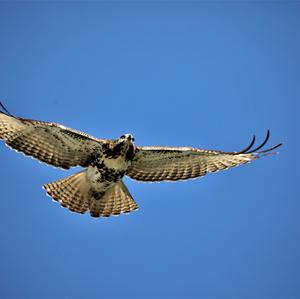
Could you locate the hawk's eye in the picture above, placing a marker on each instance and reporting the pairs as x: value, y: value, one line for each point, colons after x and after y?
x: 132, y: 139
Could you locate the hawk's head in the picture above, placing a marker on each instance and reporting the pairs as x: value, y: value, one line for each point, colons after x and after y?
x: 127, y: 138
x: 126, y: 144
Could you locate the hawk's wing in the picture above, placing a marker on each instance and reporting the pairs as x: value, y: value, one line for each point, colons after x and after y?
x: 181, y: 163
x: 48, y: 142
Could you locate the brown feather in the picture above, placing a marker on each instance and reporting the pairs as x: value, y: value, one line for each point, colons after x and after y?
x: 51, y: 143
x: 175, y: 163
x: 73, y: 192
x: 115, y: 201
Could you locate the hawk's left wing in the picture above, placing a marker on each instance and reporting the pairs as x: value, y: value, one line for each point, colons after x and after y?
x: 48, y: 142
x: 181, y: 163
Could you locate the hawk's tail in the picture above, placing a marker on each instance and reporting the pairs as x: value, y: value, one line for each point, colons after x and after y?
x: 115, y: 201
x: 75, y: 193
x: 71, y: 192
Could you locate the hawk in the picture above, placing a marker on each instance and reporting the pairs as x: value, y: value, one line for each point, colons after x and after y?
x: 99, y: 188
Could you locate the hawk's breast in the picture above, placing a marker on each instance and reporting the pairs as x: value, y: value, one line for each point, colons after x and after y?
x: 118, y: 163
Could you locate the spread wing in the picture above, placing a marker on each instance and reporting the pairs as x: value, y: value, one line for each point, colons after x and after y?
x: 181, y: 163
x: 48, y: 142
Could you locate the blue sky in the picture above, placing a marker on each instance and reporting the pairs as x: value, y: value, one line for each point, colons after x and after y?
x: 202, y: 74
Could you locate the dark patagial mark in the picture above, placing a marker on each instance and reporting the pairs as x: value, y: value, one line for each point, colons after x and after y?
x: 74, y: 135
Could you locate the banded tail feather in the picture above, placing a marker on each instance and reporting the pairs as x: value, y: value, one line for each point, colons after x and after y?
x: 71, y: 192
x: 115, y: 201
x: 74, y: 192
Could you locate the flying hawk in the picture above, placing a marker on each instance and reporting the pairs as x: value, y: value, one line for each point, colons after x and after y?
x: 99, y: 187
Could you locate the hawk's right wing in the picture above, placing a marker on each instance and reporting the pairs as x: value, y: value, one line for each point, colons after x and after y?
x: 48, y: 142
x: 182, y: 163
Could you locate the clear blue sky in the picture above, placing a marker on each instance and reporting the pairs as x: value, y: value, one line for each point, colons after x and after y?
x: 202, y: 74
